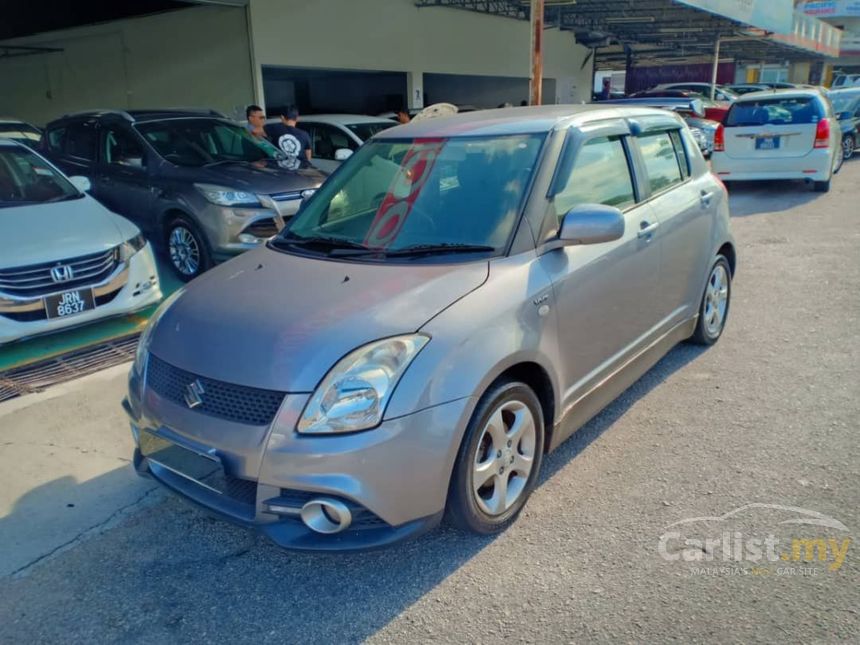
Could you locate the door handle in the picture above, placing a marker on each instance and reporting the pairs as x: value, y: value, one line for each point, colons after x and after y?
x: 706, y: 198
x: 646, y: 229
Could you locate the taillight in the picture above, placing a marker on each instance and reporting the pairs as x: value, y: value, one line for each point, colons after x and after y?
x: 822, y: 134
x: 720, y: 139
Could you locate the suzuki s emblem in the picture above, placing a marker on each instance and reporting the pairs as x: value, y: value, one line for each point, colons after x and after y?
x: 194, y: 394
x: 62, y: 273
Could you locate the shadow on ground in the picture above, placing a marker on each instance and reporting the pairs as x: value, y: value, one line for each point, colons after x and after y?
x: 172, y: 573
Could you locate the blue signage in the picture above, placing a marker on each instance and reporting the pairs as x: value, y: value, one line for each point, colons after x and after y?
x: 771, y: 15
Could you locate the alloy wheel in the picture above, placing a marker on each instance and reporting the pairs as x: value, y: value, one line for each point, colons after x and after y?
x: 504, y: 458
x: 716, y: 300
x: 184, y: 250
x: 847, y: 147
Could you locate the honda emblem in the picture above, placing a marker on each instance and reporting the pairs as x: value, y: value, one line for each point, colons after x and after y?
x: 62, y: 273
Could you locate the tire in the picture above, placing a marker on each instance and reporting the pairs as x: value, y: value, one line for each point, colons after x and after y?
x: 716, y: 300
x: 848, y: 147
x: 187, y: 249
x: 484, y: 510
x: 821, y: 186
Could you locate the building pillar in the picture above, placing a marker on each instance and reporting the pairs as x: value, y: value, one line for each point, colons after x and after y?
x: 799, y: 72
x: 415, y: 90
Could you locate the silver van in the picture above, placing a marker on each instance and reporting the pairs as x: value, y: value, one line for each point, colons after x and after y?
x: 452, y: 304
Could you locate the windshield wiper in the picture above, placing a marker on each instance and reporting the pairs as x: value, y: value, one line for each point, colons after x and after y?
x: 64, y: 198
x: 335, y: 245
x: 430, y: 249
x: 221, y: 162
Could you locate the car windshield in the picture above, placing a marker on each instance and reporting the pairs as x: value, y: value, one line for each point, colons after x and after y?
x: 781, y: 111
x: 202, y: 142
x: 26, y: 178
x: 430, y: 196
x: 366, y: 130
x: 20, y: 132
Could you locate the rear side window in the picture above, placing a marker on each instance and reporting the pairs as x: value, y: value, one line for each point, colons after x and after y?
x: 778, y: 111
x: 600, y: 175
x: 683, y: 160
x: 661, y: 160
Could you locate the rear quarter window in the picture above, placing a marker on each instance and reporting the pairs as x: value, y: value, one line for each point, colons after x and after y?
x: 776, y: 111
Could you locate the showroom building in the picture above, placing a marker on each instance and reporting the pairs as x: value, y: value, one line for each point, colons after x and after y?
x: 326, y: 55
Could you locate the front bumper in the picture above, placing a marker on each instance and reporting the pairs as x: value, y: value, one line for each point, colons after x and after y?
x: 394, y: 478
x: 131, y: 287
x: 233, y: 230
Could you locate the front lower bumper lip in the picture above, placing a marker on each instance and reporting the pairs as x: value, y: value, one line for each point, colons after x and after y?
x: 288, y: 533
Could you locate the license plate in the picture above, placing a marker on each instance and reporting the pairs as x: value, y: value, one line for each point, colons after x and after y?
x: 203, y: 469
x: 69, y: 303
x: 767, y: 143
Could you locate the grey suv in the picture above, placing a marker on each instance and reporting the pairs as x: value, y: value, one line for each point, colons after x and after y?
x: 192, y: 180
x: 455, y: 301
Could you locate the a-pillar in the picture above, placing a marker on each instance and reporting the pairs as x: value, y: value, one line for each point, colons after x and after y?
x: 415, y: 89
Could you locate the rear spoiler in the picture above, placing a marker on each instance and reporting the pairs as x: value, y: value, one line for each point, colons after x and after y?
x: 695, y: 106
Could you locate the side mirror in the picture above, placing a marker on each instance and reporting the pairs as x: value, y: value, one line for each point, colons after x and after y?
x: 342, y: 154
x: 591, y: 224
x: 81, y: 183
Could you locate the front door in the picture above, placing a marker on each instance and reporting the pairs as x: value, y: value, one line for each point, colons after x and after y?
x: 122, y: 182
x: 605, y: 293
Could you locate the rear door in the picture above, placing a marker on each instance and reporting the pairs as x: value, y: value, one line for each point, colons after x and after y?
x: 778, y: 127
x: 73, y: 147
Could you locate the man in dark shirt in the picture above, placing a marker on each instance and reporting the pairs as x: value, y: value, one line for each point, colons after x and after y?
x: 292, y: 141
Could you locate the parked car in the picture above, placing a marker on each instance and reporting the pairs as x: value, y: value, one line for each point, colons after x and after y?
x: 377, y: 366
x: 845, y: 80
x: 722, y: 93
x: 779, y: 134
x: 20, y: 131
x: 65, y: 260
x: 713, y: 110
x: 191, y: 179
x: 334, y: 137
x: 846, y: 107
x: 745, y: 88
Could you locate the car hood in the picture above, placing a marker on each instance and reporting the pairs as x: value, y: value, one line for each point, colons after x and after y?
x: 40, y: 233
x: 265, y: 180
x: 277, y: 321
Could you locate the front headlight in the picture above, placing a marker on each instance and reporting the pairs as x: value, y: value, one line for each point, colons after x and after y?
x: 146, y: 337
x: 355, y: 392
x: 128, y: 248
x: 227, y: 196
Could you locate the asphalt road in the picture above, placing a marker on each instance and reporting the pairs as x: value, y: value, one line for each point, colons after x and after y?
x: 765, y: 422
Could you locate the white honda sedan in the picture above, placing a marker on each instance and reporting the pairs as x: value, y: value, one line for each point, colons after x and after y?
x: 65, y: 260
x: 779, y: 134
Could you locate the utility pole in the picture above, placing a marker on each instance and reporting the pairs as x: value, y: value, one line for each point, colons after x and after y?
x: 715, y: 68
x: 536, y: 83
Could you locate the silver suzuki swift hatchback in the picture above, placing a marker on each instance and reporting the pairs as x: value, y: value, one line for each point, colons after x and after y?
x: 453, y: 303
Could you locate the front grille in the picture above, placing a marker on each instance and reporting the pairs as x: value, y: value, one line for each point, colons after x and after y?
x: 40, y: 314
x: 35, y: 279
x: 241, y: 490
x: 264, y: 228
x: 239, y: 403
x: 286, y: 197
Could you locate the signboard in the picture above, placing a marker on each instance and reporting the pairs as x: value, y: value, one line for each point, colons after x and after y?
x: 770, y: 15
x: 831, y: 8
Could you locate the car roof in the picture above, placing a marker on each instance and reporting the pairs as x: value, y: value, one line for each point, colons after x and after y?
x: 844, y: 91
x: 8, y: 143
x: 793, y: 93
x: 343, y: 119
x: 516, y: 120
x: 143, y: 115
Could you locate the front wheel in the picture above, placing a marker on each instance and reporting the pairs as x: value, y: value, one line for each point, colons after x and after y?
x: 187, y: 250
x: 499, y: 460
x: 714, y: 307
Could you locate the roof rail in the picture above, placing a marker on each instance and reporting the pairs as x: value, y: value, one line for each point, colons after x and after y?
x: 120, y: 113
x: 179, y: 110
x: 696, y: 106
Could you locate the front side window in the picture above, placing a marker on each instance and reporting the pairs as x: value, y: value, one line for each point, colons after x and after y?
x: 80, y: 141
x: 600, y: 175
x: 26, y: 178
x: 122, y: 150
x: 440, y: 193
x: 661, y: 160
x: 203, y: 142
x: 327, y: 139
x: 778, y: 111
